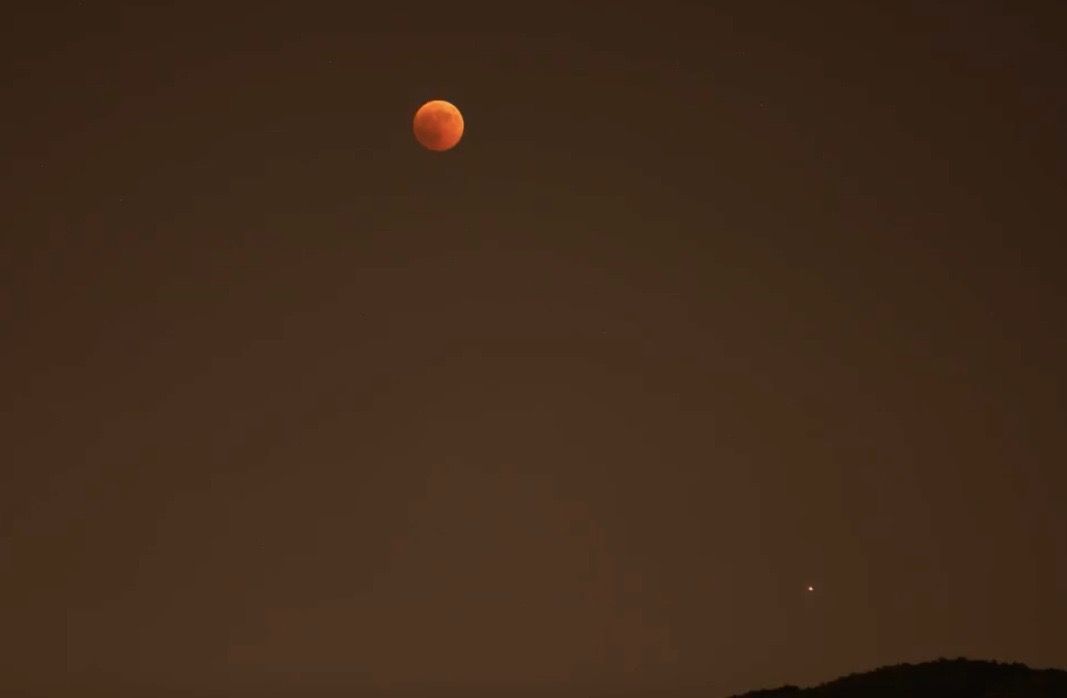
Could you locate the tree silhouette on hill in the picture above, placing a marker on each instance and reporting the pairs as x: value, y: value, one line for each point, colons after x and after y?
x: 944, y: 678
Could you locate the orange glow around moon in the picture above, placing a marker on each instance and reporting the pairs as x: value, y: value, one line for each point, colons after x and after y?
x: 438, y: 125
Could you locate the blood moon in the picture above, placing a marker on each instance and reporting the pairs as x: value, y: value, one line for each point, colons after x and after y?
x: 438, y: 125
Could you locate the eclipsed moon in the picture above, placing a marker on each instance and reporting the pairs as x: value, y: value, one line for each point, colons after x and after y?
x: 438, y: 125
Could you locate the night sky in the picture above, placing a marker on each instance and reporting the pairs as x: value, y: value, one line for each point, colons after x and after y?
x: 713, y: 302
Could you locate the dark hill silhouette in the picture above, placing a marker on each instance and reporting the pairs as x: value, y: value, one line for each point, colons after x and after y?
x: 958, y: 678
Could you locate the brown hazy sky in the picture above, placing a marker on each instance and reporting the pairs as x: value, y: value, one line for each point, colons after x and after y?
x: 714, y: 301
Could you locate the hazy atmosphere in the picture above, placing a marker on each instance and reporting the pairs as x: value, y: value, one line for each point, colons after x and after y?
x: 724, y: 350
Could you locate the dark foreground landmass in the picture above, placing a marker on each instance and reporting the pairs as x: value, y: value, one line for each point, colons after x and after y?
x: 957, y: 678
